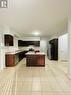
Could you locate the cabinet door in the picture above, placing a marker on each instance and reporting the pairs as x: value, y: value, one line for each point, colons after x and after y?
x: 8, y: 40
x: 41, y: 60
x: 30, y: 60
x: 9, y: 60
x: 36, y: 43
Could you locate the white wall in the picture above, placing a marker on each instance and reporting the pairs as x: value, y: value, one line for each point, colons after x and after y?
x: 2, y: 58
x: 43, y: 44
x: 63, y: 47
x: 16, y: 42
x: 69, y: 47
x: 2, y: 52
x: 30, y: 38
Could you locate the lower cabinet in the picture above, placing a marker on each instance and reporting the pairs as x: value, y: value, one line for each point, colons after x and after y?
x: 30, y: 60
x: 13, y: 59
x: 35, y: 60
x: 41, y: 60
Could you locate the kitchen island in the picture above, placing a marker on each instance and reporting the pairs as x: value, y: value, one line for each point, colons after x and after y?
x: 35, y: 59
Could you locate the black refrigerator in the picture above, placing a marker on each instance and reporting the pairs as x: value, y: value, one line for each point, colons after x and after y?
x: 53, y: 49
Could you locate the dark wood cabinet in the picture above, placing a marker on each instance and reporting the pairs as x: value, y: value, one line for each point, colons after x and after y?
x: 27, y: 43
x: 10, y: 59
x: 13, y: 59
x: 35, y: 60
x: 30, y: 60
x: 8, y: 40
x: 41, y: 60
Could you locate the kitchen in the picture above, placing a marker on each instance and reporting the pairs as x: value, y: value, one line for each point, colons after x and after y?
x: 16, y: 49
x: 35, y: 47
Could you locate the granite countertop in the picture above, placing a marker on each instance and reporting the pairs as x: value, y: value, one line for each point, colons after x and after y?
x: 29, y: 53
x: 14, y: 52
x: 33, y: 53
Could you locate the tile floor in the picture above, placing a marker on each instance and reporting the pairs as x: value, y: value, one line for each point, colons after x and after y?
x: 49, y: 80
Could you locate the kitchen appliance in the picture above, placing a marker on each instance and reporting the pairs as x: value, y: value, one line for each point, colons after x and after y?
x: 53, y: 49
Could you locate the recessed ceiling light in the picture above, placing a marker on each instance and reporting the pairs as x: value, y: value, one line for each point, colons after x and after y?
x: 36, y: 33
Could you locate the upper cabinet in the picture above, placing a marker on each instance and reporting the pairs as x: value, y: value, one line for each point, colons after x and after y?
x: 27, y: 43
x: 8, y: 40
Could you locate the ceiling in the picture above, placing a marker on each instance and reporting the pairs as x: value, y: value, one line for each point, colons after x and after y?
x: 46, y: 16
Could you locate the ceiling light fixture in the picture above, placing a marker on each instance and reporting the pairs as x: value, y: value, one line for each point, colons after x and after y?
x: 36, y: 33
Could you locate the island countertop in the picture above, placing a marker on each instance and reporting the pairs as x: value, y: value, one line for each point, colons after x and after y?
x: 37, y: 53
